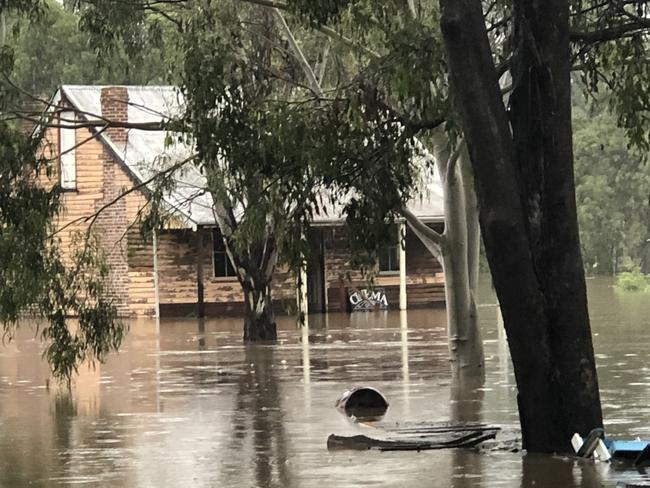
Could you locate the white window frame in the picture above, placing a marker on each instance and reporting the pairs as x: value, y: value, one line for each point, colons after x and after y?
x: 67, y: 152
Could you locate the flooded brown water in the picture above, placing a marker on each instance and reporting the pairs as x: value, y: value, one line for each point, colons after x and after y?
x: 186, y: 405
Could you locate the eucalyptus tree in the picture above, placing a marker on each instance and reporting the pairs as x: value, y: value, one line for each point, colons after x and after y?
x: 274, y: 148
x: 36, y: 281
x: 521, y: 154
x: 457, y: 248
x: 523, y: 166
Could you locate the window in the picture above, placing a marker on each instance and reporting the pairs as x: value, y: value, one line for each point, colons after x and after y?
x: 67, y: 156
x: 388, y: 260
x: 223, y: 268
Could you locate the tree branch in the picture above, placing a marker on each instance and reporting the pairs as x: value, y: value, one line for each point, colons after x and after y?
x: 450, y: 164
x: 324, y: 60
x: 90, y: 124
x: 300, y: 56
x: 269, y: 3
x: 411, y: 9
x: 328, y: 31
x: 417, y: 225
x: 610, y: 33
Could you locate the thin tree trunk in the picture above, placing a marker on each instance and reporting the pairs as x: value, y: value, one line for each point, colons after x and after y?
x: 465, y: 344
x: 472, y: 222
x: 255, y: 273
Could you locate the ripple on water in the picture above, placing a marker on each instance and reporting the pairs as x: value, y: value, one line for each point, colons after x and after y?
x: 196, y: 408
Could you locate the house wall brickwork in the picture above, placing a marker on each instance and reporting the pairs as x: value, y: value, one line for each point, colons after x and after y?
x: 100, y: 179
x: 177, y: 264
x: 111, y: 226
x: 115, y: 108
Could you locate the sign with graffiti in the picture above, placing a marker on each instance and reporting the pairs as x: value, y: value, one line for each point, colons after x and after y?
x: 365, y: 299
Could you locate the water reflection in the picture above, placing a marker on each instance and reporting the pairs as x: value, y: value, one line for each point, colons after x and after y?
x: 258, y: 418
x: 185, y: 404
x: 544, y: 472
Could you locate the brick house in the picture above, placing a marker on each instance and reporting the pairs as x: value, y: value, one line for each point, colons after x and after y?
x: 186, y: 264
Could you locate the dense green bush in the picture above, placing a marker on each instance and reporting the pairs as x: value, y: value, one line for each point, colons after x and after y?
x: 633, y: 281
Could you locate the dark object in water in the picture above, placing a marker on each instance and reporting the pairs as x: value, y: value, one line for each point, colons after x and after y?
x: 417, y: 438
x: 363, y: 403
x: 591, y: 442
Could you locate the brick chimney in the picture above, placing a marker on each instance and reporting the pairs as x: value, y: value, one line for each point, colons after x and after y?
x: 30, y: 109
x: 115, y: 108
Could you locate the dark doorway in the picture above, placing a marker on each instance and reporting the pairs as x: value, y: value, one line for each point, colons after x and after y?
x: 316, y: 272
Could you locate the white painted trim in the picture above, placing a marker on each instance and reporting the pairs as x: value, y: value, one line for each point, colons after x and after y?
x: 67, y: 154
x: 401, y: 240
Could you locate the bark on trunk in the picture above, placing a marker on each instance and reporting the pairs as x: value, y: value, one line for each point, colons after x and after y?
x: 472, y: 222
x: 539, y: 287
x: 259, y: 319
x: 541, y: 125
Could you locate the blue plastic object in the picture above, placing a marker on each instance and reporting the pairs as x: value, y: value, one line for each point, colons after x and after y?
x: 625, y: 449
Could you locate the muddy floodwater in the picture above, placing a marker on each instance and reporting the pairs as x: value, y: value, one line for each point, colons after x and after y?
x: 185, y: 404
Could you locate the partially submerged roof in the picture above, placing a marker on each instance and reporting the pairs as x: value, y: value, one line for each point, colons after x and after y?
x: 147, y: 152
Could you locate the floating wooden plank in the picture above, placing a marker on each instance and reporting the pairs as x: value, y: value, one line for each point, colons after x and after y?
x: 416, y: 438
x: 439, y: 428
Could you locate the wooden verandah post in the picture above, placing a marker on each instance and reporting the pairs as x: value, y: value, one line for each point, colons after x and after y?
x: 200, y: 299
x: 401, y: 243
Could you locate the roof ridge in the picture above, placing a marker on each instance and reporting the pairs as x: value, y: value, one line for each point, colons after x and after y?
x: 131, y: 87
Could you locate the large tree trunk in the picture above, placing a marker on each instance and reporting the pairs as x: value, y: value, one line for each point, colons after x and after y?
x: 539, y: 287
x: 259, y: 319
x: 542, y: 133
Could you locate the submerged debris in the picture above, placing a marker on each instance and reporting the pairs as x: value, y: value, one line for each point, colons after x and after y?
x: 363, y: 403
x: 417, y: 437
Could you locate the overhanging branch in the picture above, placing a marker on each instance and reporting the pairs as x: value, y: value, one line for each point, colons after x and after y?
x: 419, y: 226
x: 611, y: 33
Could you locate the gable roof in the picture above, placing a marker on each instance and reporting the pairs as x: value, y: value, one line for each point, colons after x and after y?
x: 147, y: 152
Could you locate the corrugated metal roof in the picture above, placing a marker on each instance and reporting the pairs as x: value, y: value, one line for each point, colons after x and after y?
x: 147, y: 152
x: 427, y: 206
